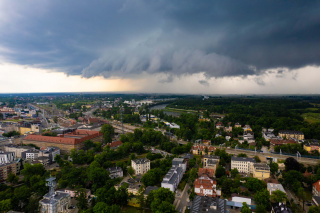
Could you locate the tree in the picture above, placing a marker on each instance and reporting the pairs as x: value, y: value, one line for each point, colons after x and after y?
x: 12, y: 178
x: 278, y: 196
x: 314, y: 209
x: 82, y: 199
x: 292, y: 164
x: 257, y: 159
x: 302, y: 195
x: 22, y: 194
x: 261, y: 209
x: 5, y: 205
x: 130, y: 170
x: 102, y: 207
x: 254, y: 184
x: 242, y: 155
x: 220, y: 172
x: 245, y: 208
x: 234, y: 172
x: 141, y: 199
x: 206, y: 150
x: 55, y: 119
x: 108, y: 131
x: 161, y: 200
x: 262, y: 198
x: 152, y: 177
x: 274, y: 167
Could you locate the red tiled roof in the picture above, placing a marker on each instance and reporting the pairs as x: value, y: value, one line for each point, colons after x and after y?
x: 317, y: 185
x: 205, y: 182
x: 115, y: 144
x: 84, y: 135
x: 205, y: 171
x: 276, y: 142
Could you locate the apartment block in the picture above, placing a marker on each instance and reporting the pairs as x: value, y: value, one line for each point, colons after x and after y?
x: 244, y: 165
x: 140, y: 166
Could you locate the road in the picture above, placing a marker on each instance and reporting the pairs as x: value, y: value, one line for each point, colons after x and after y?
x: 181, y: 201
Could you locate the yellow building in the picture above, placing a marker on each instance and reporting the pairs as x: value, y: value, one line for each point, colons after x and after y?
x: 291, y: 134
x: 23, y: 130
x: 261, y: 171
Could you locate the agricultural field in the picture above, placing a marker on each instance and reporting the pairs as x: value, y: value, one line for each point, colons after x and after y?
x: 311, y: 117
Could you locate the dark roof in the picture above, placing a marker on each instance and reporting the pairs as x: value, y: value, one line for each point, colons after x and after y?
x: 204, y: 204
x: 149, y: 189
x: 189, y: 156
x: 242, y: 159
x: 141, y: 160
x: 211, y: 156
x: 290, y: 132
x: 114, y: 169
x: 281, y: 208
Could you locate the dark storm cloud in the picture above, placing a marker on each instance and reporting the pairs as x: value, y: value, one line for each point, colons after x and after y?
x: 127, y: 38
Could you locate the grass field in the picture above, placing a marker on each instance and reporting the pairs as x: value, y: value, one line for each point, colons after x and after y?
x: 311, y: 117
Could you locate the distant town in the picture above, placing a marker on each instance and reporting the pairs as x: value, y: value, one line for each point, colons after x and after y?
x: 114, y: 153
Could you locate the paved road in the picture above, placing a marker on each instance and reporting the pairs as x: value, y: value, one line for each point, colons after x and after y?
x: 181, y: 201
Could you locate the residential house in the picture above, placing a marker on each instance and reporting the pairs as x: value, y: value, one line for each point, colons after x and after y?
x: 73, y: 192
x: 261, y: 171
x: 312, y: 146
x: 115, y: 172
x: 316, y: 188
x: 205, y: 171
x: 212, y: 164
x: 205, y: 186
x: 219, y: 125
x: 140, y: 165
x: 243, y: 164
x: 228, y: 129
x: 201, y: 149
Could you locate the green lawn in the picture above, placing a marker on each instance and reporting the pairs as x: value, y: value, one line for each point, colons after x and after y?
x: 311, y: 117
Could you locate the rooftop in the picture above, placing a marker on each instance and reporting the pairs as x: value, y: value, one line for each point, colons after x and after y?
x: 261, y: 166
x: 141, y: 160
x: 243, y: 159
x: 208, y: 204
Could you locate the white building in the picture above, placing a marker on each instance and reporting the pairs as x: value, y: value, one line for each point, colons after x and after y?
x: 54, y: 202
x: 140, y: 165
x: 30, y: 154
x: 244, y: 165
x: 6, y: 157
x: 172, y: 178
x: 16, y: 149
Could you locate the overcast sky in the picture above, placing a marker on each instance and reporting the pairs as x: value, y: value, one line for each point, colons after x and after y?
x: 181, y: 46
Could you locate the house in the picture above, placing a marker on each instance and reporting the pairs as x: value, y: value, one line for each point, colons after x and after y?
x: 287, y: 134
x: 236, y: 125
x: 280, y: 208
x: 212, y: 164
x: 115, y: 172
x: 244, y: 165
x: 140, y: 165
x: 268, y: 134
x: 205, y: 159
x: 180, y: 162
x: 205, y: 186
x: 247, y: 128
x: 316, y: 188
x: 208, y: 204
x: 201, y: 149
x: 219, y: 125
x: 274, y: 186
x: 204, y: 171
x: 115, y: 144
x: 149, y: 189
x: 54, y: 201
x: 7, y: 168
x: 73, y: 192
x: 312, y: 146
x: 228, y: 129
x: 261, y: 171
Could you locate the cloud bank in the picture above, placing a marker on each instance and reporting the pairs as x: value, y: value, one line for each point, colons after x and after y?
x: 119, y: 38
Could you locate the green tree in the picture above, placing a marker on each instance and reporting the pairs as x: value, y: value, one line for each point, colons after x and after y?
x: 234, y: 172
x: 12, y: 178
x: 278, y: 196
x: 141, y: 199
x: 245, y: 208
x: 302, y: 195
x: 161, y: 200
x: 5, y: 205
x: 55, y: 119
x: 261, y: 209
x: 220, y: 172
x: 314, y: 209
x: 257, y: 159
x: 82, y: 199
x: 108, y: 131
x: 292, y: 164
x: 274, y: 167
x: 152, y: 177
x: 262, y: 198
x: 242, y: 155
x: 22, y: 194
x: 130, y: 170
x: 254, y: 184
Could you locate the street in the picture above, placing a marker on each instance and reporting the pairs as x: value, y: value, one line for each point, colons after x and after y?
x: 181, y: 201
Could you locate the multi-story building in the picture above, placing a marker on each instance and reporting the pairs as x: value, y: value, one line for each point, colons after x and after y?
x: 205, y: 186
x: 242, y: 164
x: 115, y: 172
x: 6, y: 157
x: 208, y: 204
x: 261, y: 171
x: 49, y: 152
x: 17, y: 149
x: 140, y: 165
x: 172, y: 179
x: 72, y: 140
x: 55, y: 201
x: 212, y: 164
x: 291, y: 134
x: 205, y: 159
x: 7, y: 168
x: 181, y: 162
x: 31, y: 154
